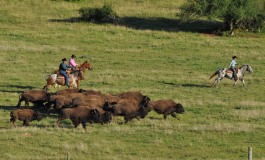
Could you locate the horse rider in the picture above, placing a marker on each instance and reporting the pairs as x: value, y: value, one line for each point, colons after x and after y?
x: 233, y: 67
x: 72, y: 62
x: 63, y: 70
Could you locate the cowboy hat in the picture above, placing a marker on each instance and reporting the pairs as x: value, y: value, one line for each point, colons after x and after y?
x: 73, y: 56
x: 64, y: 59
x: 234, y: 57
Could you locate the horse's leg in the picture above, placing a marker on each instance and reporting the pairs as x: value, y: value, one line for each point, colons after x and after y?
x: 243, y: 81
x: 235, y: 82
x: 78, y: 83
x: 217, y: 80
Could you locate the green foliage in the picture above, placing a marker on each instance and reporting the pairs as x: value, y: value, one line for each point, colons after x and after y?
x: 236, y: 14
x: 104, y: 14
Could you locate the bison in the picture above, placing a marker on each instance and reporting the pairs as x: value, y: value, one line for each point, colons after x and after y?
x: 69, y: 91
x: 25, y: 115
x: 92, y: 101
x: 105, y: 116
x: 131, y: 95
x: 166, y: 107
x: 37, y: 97
x: 129, y: 108
x: 81, y: 114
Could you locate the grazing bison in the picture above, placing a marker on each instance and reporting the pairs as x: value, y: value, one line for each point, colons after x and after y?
x: 37, y: 97
x: 81, y: 114
x: 166, y: 107
x: 25, y: 115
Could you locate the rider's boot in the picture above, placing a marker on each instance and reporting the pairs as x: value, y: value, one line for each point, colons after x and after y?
x: 235, y: 78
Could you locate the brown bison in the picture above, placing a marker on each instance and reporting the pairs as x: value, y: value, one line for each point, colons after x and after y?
x: 37, y: 97
x: 25, y: 115
x: 91, y: 100
x: 105, y: 116
x: 131, y: 95
x: 69, y: 91
x: 74, y: 99
x: 129, y: 109
x: 81, y: 114
x: 166, y: 107
x: 58, y: 101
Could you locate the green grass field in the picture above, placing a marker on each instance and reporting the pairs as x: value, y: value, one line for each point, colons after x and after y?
x: 148, y: 51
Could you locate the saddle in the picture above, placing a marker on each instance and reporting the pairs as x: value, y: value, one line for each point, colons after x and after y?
x: 59, y: 75
x: 230, y: 70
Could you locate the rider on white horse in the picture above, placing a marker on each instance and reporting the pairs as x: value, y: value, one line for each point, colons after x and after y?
x: 233, y: 67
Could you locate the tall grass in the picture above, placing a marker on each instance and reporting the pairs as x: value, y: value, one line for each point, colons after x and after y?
x: 148, y: 51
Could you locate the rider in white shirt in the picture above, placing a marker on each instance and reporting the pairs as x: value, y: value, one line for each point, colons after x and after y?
x: 233, y: 67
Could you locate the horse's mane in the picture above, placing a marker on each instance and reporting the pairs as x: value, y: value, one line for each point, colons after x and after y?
x: 83, y: 63
x: 243, y: 66
x: 84, y: 66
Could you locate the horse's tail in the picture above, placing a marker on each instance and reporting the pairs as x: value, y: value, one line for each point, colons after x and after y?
x: 215, y: 73
x: 46, y: 76
x: 52, y: 76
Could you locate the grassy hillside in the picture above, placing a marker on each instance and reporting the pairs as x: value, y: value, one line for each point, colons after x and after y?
x: 149, y: 51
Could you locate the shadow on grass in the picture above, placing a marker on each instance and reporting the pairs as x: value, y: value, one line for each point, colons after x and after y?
x: 186, y: 85
x: 158, y: 23
x: 15, y: 87
x: 18, y: 86
x: 170, y: 25
x: 8, y: 108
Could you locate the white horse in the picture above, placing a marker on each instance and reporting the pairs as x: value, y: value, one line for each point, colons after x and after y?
x: 227, y: 73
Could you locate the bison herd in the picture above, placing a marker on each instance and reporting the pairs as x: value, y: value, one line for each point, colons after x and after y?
x: 89, y: 106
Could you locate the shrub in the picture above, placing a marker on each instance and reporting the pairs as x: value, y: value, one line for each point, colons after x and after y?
x: 236, y: 14
x: 105, y: 14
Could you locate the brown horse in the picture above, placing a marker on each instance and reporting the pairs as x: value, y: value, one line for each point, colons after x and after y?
x: 83, y: 68
x: 74, y: 77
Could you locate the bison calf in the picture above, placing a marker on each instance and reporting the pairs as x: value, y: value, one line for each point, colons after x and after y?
x: 166, y: 107
x: 25, y: 115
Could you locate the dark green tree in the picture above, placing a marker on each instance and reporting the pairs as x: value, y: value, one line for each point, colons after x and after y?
x: 235, y: 14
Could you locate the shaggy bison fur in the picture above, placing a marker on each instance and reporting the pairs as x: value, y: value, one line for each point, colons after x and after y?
x: 37, y: 97
x: 25, y: 115
x: 166, y: 107
x: 81, y: 114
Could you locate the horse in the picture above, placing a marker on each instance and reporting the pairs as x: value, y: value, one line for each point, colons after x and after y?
x: 74, y: 78
x: 60, y: 80
x: 227, y: 73
x: 83, y: 68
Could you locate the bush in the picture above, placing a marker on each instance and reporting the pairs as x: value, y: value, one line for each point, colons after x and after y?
x: 105, y: 14
x: 236, y: 14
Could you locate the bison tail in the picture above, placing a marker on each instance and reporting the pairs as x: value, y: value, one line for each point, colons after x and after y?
x: 215, y: 73
x: 12, y: 114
